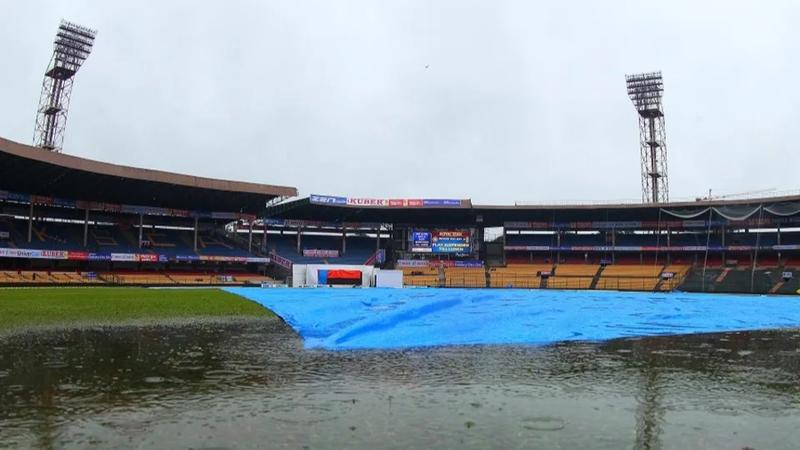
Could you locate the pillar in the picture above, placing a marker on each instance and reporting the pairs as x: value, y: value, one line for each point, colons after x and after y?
x: 196, y: 224
x: 86, y: 227
x: 344, y: 241
x: 30, y: 222
x: 504, y: 247
x: 669, y: 244
x: 141, y: 223
x: 264, y: 238
x: 558, y: 245
x: 613, y: 245
x: 299, y: 239
x: 250, y: 237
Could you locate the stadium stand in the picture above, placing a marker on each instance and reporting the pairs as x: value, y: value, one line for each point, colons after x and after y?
x: 358, y: 249
x: 100, y: 223
x: 422, y: 276
x: 139, y: 278
x: 473, y: 277
x: 95, y: 222
x: 515, y: 275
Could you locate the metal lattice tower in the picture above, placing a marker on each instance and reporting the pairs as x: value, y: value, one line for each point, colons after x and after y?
x: 645, y: 91
x: 71, y: 47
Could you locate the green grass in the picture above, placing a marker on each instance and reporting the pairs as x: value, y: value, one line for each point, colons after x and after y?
x: 41, y: 307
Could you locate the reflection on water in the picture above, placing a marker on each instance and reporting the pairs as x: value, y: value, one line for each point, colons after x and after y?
x: 251, y: 385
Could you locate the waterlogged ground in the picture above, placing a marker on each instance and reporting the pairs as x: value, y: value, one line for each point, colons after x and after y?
x: 250, y: 384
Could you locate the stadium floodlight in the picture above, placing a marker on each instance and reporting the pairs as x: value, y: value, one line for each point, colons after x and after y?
x: 71, y: 47
x: 645, y: 91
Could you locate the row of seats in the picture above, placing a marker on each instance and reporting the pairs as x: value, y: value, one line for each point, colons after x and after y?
x: 143, y: 278
x: 358, y: 249
x: 474, y: 277
x: 42, y: 277
x: 421, y: 276
x: 115, y: 239
x: 585, y: 276
x: 562, y: 276
x: 518, y: 275
x: 462, y: 277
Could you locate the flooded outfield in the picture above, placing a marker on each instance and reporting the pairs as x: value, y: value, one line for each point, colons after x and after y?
x: 250, y: 384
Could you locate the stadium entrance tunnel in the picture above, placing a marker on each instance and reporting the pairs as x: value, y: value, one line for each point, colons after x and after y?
x: 339, y: 319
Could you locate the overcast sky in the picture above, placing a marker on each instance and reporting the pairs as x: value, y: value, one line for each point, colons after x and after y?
x: 495, y: 101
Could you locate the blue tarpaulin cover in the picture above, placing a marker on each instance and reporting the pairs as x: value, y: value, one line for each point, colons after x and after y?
x: 397, y: 318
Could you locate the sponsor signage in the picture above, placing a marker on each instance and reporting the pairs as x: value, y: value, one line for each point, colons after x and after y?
x: 258, y: 260
x: 294, y: 223
x: 387, y: 203
x: 119, y: 257
x: 527, y: 248
x: 412, y: 263
x: 468, y: 263
x: 320, y: 253
x: 78, y: 256
x: 367, y: 201
x: 441, y: 202
x: 327, y: 200
x: 5, y: 235
x: 281, y: 261
x: 32, y: 253
x: 128, y: 257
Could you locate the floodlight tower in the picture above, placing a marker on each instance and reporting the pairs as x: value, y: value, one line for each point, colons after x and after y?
x: 645, y: 91
x: 71, y: 47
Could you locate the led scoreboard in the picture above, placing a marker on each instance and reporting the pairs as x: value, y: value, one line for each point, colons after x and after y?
x: 441, y: 241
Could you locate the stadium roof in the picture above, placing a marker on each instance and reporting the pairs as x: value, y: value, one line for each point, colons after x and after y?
x: 497, y: 215
x: 36, y: 171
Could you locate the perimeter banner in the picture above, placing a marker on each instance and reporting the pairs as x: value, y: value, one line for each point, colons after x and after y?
x: 389, y: 202
x: 28, y: 253
x: 32, y: 253
x: 320, y: 253
x: 281, y: 261
x: 417, y: 263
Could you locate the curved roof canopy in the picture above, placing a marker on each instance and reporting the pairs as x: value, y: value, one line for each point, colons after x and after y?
x: 36, y: 171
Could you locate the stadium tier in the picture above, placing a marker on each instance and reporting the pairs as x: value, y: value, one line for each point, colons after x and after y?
x: 323, y: 249
x: 446, y: 242
x: 63, y: 217
x: 118, y: 239
x: 67, y: 220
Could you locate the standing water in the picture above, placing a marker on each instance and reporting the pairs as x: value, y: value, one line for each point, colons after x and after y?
x: 250, y: 384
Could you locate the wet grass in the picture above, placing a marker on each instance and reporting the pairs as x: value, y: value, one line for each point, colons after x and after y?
x: 44, y: 307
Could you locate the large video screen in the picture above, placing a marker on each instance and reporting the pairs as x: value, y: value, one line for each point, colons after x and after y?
x: 441, y: 241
